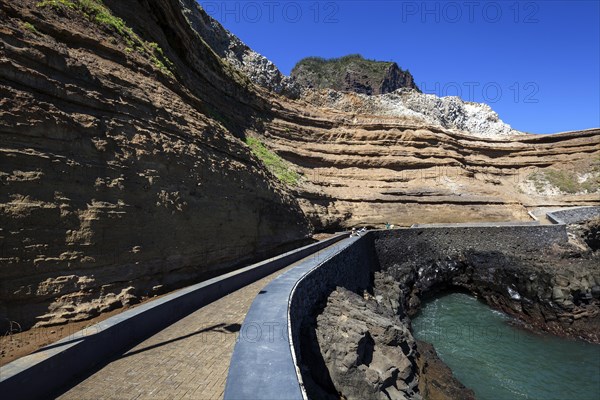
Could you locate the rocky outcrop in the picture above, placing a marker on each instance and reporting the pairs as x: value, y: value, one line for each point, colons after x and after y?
x: 359, y: 351
x: 556, y: 289
x: 436, y: 381
x: 359, y: 346
x: 229, y: 47
x: 122, y: 169
x: 352, y: 73
x: 450, y: 112
x: 591, y: 233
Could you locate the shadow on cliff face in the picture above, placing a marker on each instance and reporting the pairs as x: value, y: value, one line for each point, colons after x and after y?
x: 122, y: 182
x: 218, y: 89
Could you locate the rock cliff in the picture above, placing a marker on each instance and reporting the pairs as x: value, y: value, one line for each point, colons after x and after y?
x: 126, y: 170
x: 352, y: 73
x: 359, y: 169
x: 450, y: 112
x: 226, y: 45
x: 122, y: 162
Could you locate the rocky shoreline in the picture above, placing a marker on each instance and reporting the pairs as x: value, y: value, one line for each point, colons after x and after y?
x: 361, y: 345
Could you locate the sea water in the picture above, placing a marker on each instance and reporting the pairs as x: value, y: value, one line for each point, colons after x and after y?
x: 499, y: 360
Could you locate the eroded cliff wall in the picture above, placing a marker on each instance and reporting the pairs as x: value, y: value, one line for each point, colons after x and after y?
x: 360, y: 169
x: 122, y: 169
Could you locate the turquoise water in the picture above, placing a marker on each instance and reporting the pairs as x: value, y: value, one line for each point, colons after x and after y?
x: 500, y: 361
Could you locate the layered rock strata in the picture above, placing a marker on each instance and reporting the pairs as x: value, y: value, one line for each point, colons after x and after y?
x: 121, y: 176
x: 125, y: 173
x: 366, y: 170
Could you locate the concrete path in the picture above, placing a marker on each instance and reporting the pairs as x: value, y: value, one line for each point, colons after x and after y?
x: 540, y: 213
x: 187, y: 360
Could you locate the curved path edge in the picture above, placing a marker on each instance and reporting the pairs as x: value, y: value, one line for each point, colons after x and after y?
x: 265, y: 358
x: 51, y: 368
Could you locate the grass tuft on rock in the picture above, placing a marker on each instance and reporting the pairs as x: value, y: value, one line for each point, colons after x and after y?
x: 277, y: 165
x: 29, y: 27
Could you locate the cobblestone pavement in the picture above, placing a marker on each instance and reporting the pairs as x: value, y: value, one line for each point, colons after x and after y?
x: 187, y: 360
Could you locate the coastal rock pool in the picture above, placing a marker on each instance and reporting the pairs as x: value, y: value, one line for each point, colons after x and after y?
x: 501, y: 361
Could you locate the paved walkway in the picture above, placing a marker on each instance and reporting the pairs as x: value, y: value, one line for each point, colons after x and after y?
x: 187, y: 360
x: 541, y: 213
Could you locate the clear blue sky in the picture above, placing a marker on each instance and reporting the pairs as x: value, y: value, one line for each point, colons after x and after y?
x: 537, y: 63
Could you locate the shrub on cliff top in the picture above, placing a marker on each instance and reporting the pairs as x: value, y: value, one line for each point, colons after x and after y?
x: 324, y: 67
x: 321, y: 73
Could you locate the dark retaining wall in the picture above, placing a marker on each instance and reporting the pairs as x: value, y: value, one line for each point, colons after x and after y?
x: 264, y: 361
x: 400, y: 244
x: 351, y: 268
x: 573, y: 215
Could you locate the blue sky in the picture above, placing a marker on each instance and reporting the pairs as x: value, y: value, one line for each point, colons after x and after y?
x: 537, y: 63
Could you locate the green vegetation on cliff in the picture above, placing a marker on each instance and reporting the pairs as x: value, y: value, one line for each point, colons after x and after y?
x: 95, y: 11
x: 352, y: 73
x: 28, y: 26
x: 328, y: 70
x: 277, y: 165
x: 566, y: 181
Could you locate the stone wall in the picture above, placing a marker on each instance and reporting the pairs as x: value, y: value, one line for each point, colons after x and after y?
x: 574, y: 215
x: 350, y: 268
x: 393, y: 245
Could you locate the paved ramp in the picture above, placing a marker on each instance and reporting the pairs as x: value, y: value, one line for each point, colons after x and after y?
x: 187, y: 360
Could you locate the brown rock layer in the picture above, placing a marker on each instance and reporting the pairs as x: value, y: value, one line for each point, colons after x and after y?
x: 119, y: 178
x: 369, y: 171
x: 124, y: 171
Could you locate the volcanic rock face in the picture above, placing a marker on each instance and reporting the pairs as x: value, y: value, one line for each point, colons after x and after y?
x: 352, y: 74
x: 367, y: 353
x: 478, y: 119
x: 436, y: 381
x: 556, y: 289
x: 118, y: 181
x: 361, y: 346
x: 258, y: 68
x: 124, y: 171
